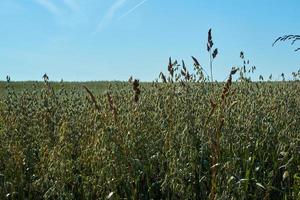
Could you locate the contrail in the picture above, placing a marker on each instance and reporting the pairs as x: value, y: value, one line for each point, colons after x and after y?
x: 47, y: 4
x: 109, y: 15
x: 72, y: 4
x: 132, y: 9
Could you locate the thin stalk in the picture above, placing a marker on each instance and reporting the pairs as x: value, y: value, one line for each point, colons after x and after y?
x: 210, y: 64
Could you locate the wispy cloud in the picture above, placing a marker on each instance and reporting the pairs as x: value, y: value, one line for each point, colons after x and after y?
x: 72, y: 4
x: 132, y: 9
x: 49, y: 5
x: 109, y: 15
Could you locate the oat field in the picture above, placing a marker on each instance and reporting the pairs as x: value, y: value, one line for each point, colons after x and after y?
x: 181, y: 137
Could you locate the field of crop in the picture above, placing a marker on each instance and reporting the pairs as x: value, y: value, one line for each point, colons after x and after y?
x: 182, y: 138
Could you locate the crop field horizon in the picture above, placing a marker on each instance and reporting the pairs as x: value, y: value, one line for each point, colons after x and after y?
x: 182, y: 136
x: 96, y: 104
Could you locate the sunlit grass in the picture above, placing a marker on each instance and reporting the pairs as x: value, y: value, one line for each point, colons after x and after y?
x: 182, y: 138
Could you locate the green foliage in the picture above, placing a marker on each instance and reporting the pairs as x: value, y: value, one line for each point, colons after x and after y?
x: 55, y: 144
x: 186, y: 137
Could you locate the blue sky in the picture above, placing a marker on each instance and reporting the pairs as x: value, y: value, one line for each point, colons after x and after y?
x: 114, y: 39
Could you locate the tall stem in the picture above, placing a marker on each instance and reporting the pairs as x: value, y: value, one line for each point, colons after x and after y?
x: 210, y: 62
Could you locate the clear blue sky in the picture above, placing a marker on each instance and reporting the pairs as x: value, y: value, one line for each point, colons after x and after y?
x: 114, y: 39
